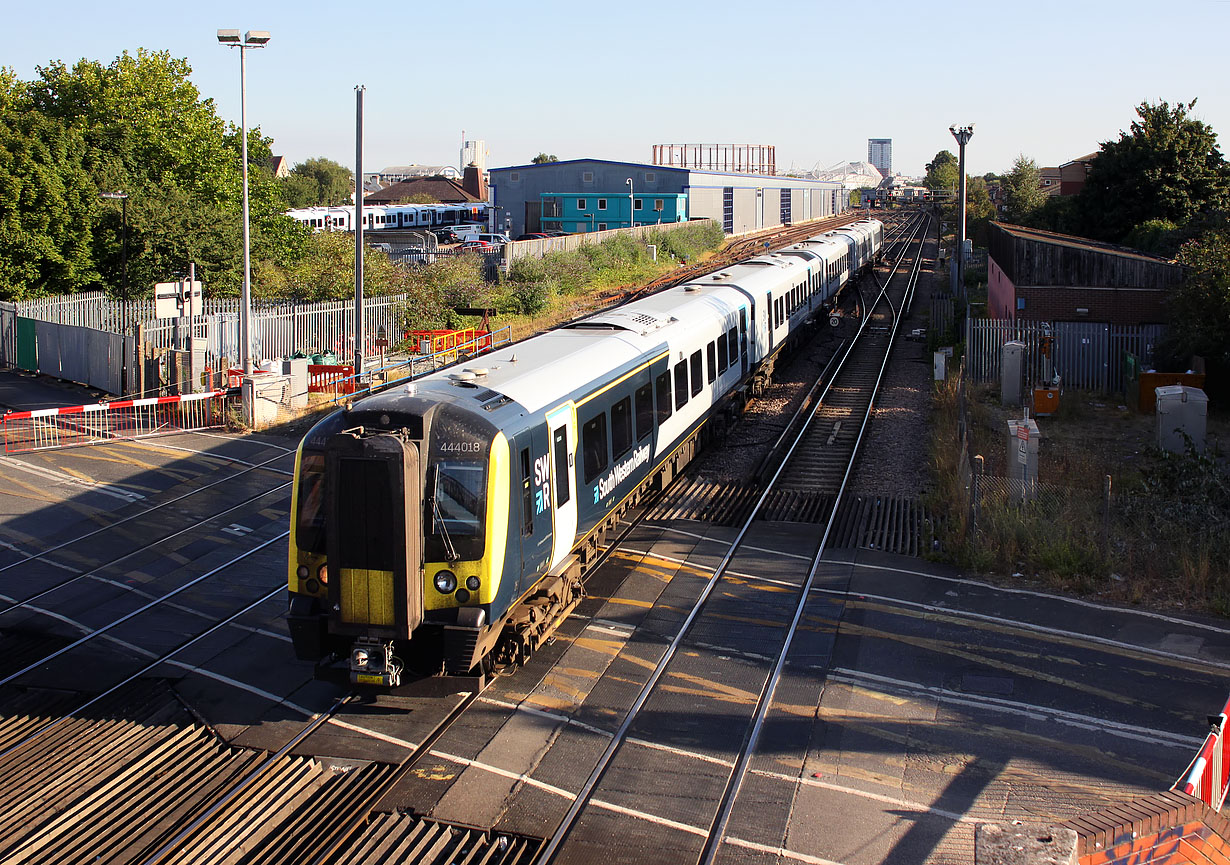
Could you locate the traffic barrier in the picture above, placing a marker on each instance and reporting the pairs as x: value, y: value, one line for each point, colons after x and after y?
x: 49, y: 428
x: 330, y: 378
x: 1205, y: 777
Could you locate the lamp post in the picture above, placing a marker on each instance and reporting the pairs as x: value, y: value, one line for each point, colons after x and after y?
x: 631, y: 205
x: 963, y: 134
x: 251, y: 39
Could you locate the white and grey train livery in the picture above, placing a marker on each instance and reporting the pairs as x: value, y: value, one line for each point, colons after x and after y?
x: 450, y: 519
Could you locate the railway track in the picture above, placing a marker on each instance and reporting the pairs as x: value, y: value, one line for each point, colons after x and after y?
x: 729, y: 720
x: 213, y: 797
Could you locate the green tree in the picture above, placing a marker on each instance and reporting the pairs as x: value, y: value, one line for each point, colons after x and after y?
x: 979, y: 210
x: 1167, y: 167
x: 48, y: 206
x: 942, y: 171
x: 318, y: 182
x: 1200, y: 309
x: 1023, y: 194
x: 543, y: 158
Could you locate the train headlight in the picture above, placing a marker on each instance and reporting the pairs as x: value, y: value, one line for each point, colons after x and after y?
x: 323, y: 574
x: 301, y: 572
x: 446, y: 582
x: 462, y: 596
x: 472, y: 583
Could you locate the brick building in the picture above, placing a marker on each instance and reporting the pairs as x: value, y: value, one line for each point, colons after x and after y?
x: 1035, y: 275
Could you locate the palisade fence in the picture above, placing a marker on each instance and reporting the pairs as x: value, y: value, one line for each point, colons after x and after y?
x: 1087, y: 355
x: 34, y: 334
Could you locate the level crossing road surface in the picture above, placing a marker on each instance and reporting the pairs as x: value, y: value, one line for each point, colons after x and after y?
x: 27, y: 391
x: 936, y: 701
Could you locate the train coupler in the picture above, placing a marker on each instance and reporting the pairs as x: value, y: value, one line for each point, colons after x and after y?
x: 372, y: 663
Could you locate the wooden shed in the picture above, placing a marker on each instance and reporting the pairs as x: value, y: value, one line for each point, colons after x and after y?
x: 1043, y: 276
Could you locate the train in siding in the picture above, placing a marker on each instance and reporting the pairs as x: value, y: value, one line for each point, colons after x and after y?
x: 449, y: 520
x: 387, y: 217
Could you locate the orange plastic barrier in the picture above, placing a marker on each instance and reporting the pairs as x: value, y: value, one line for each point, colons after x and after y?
x: 426, y: 342
x: 330, y: 378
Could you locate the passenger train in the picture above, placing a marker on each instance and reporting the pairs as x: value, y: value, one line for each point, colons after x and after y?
x: 448, y: 521
x: 392, y: 216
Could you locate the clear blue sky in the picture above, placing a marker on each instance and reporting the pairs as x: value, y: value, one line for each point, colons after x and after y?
x: 1048, y: 79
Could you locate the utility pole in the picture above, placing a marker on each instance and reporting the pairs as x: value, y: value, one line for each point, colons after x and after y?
x: 963, y: 134
x: 358, y: 229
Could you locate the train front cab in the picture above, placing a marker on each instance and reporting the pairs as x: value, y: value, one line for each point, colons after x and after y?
x: 397, y: 536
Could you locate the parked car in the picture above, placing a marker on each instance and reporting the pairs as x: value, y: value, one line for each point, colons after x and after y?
x: 476, y: 246
x: 534, y: 235
x: 495, y: 239
x: 555, y: 232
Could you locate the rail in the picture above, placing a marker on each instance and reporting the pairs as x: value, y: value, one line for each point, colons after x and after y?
x: 71, y: 426
x: 1207, y: 774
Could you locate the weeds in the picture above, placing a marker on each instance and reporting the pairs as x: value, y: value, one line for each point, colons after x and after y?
x: 1165, y: 539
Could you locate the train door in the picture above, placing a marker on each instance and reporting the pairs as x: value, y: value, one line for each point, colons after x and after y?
x: 532, y: 469
x: 772, y: 310
x: 743, y: 337
x: 562, y: 428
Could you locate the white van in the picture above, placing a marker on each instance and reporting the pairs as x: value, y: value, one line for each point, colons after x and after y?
x: 493, y: 239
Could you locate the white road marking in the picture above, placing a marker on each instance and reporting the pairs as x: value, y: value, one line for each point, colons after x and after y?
x: 1038, y: 713
x: 113, y: 490
x: 1042, y: 629
x: 222, y: 457
x: 1016, y: 623
x: 779, y: 851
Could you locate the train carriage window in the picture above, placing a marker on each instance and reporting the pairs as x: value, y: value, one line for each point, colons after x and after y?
x: 663, y: 384
x: 644, y: 411
x: 621, y: 427
x: 562, y: 490
x: 721, y: 354
x: 711, y: 364
x: 527, y: 495
x: 732, y: 346
x: 593, y: 445
x: 697, y: 374
x: 681, y: 384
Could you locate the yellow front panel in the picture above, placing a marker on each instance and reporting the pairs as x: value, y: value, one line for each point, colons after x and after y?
x: 367, y: 597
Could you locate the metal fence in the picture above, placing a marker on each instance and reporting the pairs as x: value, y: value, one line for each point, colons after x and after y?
x: 1087, y: 355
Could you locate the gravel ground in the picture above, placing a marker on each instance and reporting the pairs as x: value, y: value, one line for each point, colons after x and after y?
x: 893, y: 461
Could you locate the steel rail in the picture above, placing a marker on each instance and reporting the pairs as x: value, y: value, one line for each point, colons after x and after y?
x: 718, y: 830
x: 147, y: 668
x: 179, y: 498
x: 620, y: 736
x: 16, y: 605
x: 115, y: 623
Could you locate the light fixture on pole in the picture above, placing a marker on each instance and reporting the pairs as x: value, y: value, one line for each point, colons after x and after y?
x: 963, y: 134
x: 631, y: 205
x: 251, y: 39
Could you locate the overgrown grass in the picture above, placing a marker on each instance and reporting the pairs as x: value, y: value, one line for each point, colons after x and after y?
x: 556, y: 284
x: 1164, y: 542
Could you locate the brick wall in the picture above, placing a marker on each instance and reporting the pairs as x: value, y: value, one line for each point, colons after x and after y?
x: 1166, y: 829
x: 1119, y: 306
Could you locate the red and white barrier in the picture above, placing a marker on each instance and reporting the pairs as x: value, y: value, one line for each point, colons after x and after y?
x: 70, y: 426
x: 1206, y: 776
